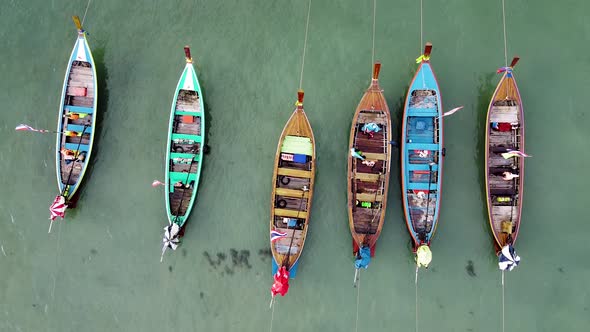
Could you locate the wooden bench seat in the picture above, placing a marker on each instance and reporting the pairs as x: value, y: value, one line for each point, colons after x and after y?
x: 291, y: 213
x: 294, y: 172
x: 291, y: 193
x: 367, y: 177
x: 369, y: 197
x: 375, y: 156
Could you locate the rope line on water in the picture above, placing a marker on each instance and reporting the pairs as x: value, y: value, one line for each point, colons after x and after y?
x: 421, y: 29
x: 416, y: 286
x: 272, y: 316
x: 304, y: 45
x: 505, y: 44
x: 374, y: 19
x: 86, y: 11
x: 502, y: 301
x: 358, y: 296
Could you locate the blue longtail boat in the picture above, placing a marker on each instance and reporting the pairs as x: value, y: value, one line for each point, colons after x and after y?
x: 76, y: 123
x: 76, y: 120
x: 422, y: 155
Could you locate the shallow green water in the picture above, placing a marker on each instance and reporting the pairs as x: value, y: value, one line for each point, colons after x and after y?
x: 100, y: 271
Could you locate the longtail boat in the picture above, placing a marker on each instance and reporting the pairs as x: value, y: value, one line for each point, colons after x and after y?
x: 368, y: 170
x: 76, y: 122
x: 184, y: 153
x: 293, y: 182
x: 422, y: 155
x: 504, y: 162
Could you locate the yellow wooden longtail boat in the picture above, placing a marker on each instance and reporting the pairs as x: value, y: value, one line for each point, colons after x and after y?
x: 293, y: 182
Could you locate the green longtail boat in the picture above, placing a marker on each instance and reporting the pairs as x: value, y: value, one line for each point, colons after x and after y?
x: 184, y: 155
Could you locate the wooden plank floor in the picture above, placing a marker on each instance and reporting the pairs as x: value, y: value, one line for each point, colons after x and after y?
x: 499, y: 161
x: 180, y: 195
x: 497, y: 182
x: 182, y: 167
x: 294, y: 183
x: 186, y: 148
x: 188, y: 101
x: 501, y: 137
x: 67, y: 168
x: 375, y: 117
x: 293, y: 203
x: 502, y: 213
x: 366, y: 221
x: 292, y: 242
x: 187, y: 128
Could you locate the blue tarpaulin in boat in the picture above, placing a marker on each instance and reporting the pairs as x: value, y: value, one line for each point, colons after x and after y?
x: 363, y: 258
x: 371, y: 127
x: 299, y: 158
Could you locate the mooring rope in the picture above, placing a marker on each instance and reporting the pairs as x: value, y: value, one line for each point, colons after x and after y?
x: 304, y: 45
x: 502, y: 301
x: 358, y: 296
x: 505, y: 44
x: 416, y: 286
x: 373, y: 49
x: 86, y: 11
x: 272, y: 316
x: 421, y: 29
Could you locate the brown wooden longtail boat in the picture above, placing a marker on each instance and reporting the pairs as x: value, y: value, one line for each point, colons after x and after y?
x: 368, y: 170
x: 504, y: 161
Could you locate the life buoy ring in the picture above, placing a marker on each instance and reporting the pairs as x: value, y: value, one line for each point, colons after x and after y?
x: 178, y: 149
x: 285, y: 180
x: 282, y: 203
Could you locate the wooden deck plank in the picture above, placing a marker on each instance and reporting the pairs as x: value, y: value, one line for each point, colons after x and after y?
x: 368, y: 177
x: 501, y: 137
x: 291, y: 193
x: 294, y: 172
x: 368, y: 197
x: 293, y: 203
x: 179, y: 195
x: 495, y: 161
x: 366, y: 221
x: 81, y: 78
x: 290, y: 213
x: 186, y: 106
x: 294, y: 183
x: 375, y: 156
x: 502, y: 213
x: 82, y: 101
x: 375, y: 117
x: 66, y: 169
x: 508, y: 114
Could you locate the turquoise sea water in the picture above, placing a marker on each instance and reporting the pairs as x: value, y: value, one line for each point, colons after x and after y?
x: 99, y: 269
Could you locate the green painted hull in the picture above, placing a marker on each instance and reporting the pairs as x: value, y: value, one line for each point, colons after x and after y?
x: 186, y: 142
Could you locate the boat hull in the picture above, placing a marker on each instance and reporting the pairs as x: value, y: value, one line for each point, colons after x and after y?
x: 76, y: 118
x: 504, y: 197
x: 293, y: 185
x: 185, y: 147
x: 422, y: 155
x: 368, y: 178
